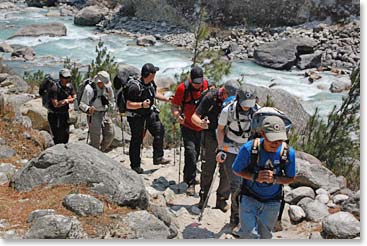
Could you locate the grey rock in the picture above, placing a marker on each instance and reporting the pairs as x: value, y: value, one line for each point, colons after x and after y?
x: 90, y: 16
x: 3, y: 76
x: 338, y: 199
x: 8, y: 169
x: 315, y: 210
x: 315, y: 176
x: 315, y: 235
x: 10, y: 235
x: 3, y: 223
x: 147, y: 226
x: 164, y: 82
x: 342, y: 182
x: 160, y: 183
x: 36, y: 214
x: 163, y: 214
x: 80, y: 163
x: 341, y: 225
x: 128, y: 70
x: 117, y: 139
x: 321, y: 191
x: 296, y: 213
x: 37, y: 113
x: 149, y: 40
x: 195, y: 210
x: 3, y: 178
x: 340, y: 85
x: 4, y: 47
x: 323, y: 198
x: 309, y: 61
x: 282, y: 54
x: 308, y: 157
x: 17, y: 100
x: 55, y: 227
x: 49, y: 142
x: 294, y: 196
x: 15, y: 84
x: 83, y: 205
x: 2, y: 141
x: 347, y: 191
x: 6, y: 152
x: 47, y: 29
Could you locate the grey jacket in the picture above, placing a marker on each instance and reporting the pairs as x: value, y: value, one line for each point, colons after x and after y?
x: 97, y: 104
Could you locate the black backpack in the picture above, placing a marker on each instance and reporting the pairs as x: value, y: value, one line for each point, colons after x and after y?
x: 45, y: 88
x: 81, y: 89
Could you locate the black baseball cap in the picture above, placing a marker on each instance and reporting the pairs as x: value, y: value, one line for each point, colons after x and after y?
x: 148, y: 68
x: 197, y: 75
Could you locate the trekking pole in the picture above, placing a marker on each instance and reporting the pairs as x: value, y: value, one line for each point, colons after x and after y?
x: 89, y: 122
x: 122, y: 133
x: 179, y: 166
x: 211, y: 188
x: 174, y: 140
x: 142, y: 137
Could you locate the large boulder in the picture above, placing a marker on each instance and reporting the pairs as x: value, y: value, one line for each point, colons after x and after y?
x: 15, y: 84
x: 80, y: 163
x: 294, y: 196
x: 285, y: 102
x: 4, y: 47
x: 339, y: 85
x: 26, y: 53
x: 282, y: 54
x: 149, y: 40
x: 55, y: 227
x: 341, y: 225
x: 37, y: 113
x: 315, y: 210
x: 47, y: 29
x: 146, y: 226
x: 83, y: 205
x: 38, y: 213
x: 315, y: 176
x: 296, y: 213
x: 90, y: 16
x: 129, y: 70
x: 309, y: 60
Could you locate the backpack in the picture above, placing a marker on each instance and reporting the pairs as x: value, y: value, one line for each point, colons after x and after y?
x: 260, y: 115
x: 45, y: 88
x: 121, y: 85
x: 81, y: 89
x: 193, y: 101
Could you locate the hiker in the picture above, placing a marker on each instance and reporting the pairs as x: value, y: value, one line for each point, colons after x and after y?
x: 206, y: 117
x: 143, y: 115
x: 61, y: 94
x: 187, y: 96
x: 95, y: 101
x: 265, y: 165
x: 234, y: 129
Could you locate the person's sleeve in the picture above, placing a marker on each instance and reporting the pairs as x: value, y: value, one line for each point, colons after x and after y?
x: 133, y: 92
x: 178, y: 98
x: 290, y: 169
x: 203, y: 107
x: 86, y: 98
x: 223, y: 117
x: 243, y: 158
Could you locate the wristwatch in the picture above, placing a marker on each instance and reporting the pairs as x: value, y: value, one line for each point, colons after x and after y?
x: 142, y: 104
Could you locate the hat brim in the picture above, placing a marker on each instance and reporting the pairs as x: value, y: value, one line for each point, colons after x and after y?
x: 249, y: 103
x: 156, y: 69
x: 276, y: 136
x: 198, y: 80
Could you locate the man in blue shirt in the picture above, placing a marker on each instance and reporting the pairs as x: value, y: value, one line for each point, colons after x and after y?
x: 263, y: 179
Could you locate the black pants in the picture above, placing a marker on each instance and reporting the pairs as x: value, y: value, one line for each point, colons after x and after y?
x: 59, y: 127
x: 138, y: 125
x: 191, y: 140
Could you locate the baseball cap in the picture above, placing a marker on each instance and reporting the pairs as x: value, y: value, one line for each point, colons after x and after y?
x: 65, y: 73
x: 148, y: 68
x: 103, y: 76
x: 197, y: 75
x: 231, y: 87
x: 246, y: 96
x: 274, y: 128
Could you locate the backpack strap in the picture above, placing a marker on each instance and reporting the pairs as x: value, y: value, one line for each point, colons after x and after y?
x: 255, y: 156
x: 284, y: 156
x: 94, y: 87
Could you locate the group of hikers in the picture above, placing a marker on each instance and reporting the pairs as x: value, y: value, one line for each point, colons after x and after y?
x: 253, y: 165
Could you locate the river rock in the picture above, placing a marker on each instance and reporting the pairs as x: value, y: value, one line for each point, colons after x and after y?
x: 8, y: 169
x: 351, y: 205
x: 37, y: 113
x: 90, y: 16
x: 296, y: 213
x: 40, y: 3
x: 282, y: 54
x: 165, y: 82
x: 315, y: 210
x: 48, y: 29
x: 6, y: 152
x: 323, y: 198
x: 7, y: 5
x: 164, y: 215
x: 129, y: 70
x: 340, y: 85
x: 3, y: 76
x: 294, y: 196
x: 340, y: 198
x: 341, y: 225
x: 80, y: 163
x: 309, y: 60
x: 147, y: 226
x: 315, y: 176
x: 83, y: 205
x: 27, y: 53
x: 17, y: 100
x: 55, y: 227
x: 4, y: 47
x: 15, y: 84
x: 48, y: 140
x: 36, y: 214
x: 160, y: 183
x: 3, y: 178
x: 308, y: 157
x: 149, y: 40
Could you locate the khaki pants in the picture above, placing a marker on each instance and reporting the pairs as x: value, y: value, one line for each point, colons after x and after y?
x: 99, y: 124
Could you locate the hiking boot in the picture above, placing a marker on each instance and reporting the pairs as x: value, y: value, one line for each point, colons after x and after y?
x: 201, y: 203
x: 222, y: 205
x: 235, y: 231
x: 161, y: 161
x: 190, y: 191
x: 139, y: 170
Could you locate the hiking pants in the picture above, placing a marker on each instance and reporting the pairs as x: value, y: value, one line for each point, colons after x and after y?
x: 99, y: 124
x: 191, y: 141
x: 235, y: 187
x: 208, y: 168
x: 59, y: 126
x: 138, y: 126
